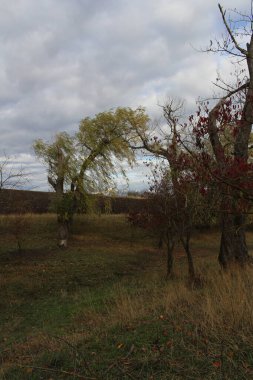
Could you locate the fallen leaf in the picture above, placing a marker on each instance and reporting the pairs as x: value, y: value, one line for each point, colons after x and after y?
x: 216, y: 364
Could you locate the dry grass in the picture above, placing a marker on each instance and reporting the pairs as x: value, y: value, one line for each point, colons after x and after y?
x: 107, y: 296
x: 228, y: 303
x: 223, y: 305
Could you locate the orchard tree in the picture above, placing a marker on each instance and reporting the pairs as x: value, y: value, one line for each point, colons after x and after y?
x: 181, y: 207
x: 90, y: 159
x: 228, y: 125
x: 173, y: 205
x: 177, y: 187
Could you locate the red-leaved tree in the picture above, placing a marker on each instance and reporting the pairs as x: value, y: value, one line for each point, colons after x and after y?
x: 228, y: 124
x: 179, y: 198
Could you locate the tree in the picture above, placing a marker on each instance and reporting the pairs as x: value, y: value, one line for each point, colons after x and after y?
x: 59, y: 157
x: 233, y: 115
x: 177, y: 192
x: 181, y: 207
x: 11, y: 177
x: 90, y: 159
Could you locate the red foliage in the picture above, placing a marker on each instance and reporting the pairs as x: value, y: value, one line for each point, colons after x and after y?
x: 225, y: 168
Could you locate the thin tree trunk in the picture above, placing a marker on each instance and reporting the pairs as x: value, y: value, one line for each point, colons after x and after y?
x: 170, y: 258
x: 62, y: 218
x: 191, y: 269
x: 170, y: 240
x: 161, y: 238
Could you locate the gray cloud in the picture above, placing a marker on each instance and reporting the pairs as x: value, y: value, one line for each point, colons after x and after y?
x: 62, y: 60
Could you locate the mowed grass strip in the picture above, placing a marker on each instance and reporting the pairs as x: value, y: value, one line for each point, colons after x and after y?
x: 102, y: 308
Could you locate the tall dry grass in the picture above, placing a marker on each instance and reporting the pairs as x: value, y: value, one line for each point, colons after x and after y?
x: 224, y: 304
x: 227, y: 303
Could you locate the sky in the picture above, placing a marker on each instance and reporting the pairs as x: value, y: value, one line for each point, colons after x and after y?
x: 63, y: 60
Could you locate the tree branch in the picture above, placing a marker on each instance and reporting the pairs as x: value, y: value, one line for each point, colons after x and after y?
x: 229, y: 94
x: 51, y: 182
x: 243, y: 51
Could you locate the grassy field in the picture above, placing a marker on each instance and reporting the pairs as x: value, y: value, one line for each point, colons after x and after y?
x: 102, y: 308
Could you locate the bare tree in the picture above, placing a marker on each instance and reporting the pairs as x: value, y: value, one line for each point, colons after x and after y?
x: 11, y: 177
x: 177, y: 192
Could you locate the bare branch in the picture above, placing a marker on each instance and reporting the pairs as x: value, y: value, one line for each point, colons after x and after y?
x: 11, y: 177
x: 243, y: 51
x: 229, y: 94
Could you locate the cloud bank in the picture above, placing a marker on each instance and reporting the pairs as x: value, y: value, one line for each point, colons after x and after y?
x: 63, y: 60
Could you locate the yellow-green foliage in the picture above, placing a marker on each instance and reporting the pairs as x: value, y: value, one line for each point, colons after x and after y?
x: 89, y: 159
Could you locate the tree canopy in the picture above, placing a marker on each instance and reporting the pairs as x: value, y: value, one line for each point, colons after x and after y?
x: 90, y: 158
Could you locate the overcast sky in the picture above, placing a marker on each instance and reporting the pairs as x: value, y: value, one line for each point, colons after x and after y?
x: 63, y: 60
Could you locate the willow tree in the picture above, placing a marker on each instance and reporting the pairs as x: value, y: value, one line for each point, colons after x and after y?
x: 59, y: 158
x: 90, y: 160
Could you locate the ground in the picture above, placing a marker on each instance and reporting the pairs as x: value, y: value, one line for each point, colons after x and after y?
x: 103, y: 309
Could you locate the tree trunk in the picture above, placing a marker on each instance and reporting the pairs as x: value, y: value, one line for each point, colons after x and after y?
x: 161, y: 238
x: 191, y: 269
x: 233, y: 248
x: 170, y: 248
x: 63, y: 218
x: 170, y: 258
x: 63, y: 233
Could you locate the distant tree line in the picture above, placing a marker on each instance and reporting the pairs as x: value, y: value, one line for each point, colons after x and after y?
x: 11, y: 201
